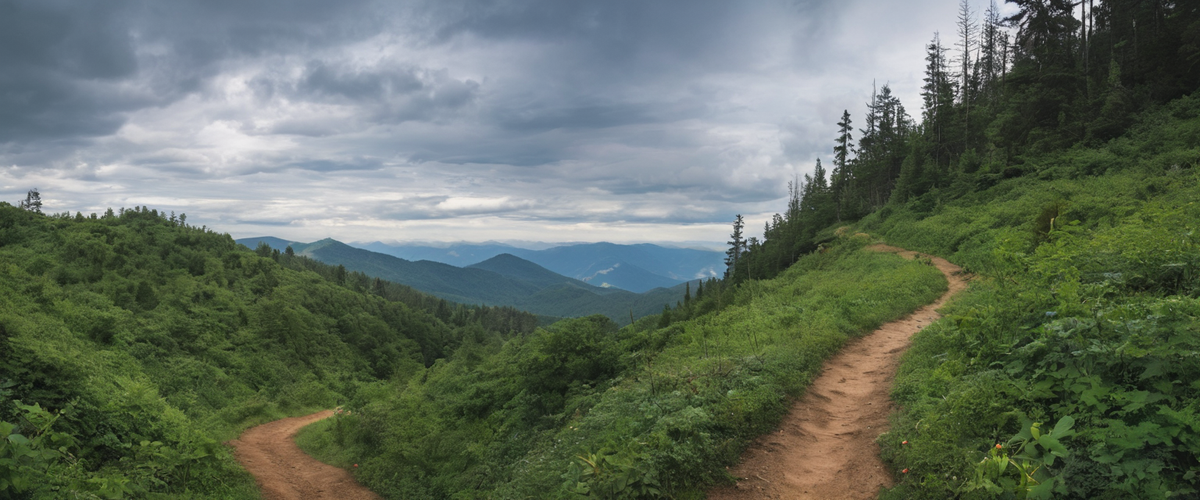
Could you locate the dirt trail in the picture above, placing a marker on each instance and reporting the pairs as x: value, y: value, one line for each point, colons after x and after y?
x: 283, y: 472
x: 825, y: 447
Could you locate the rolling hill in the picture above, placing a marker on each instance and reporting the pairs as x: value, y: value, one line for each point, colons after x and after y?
x: 637, y: 268
x: 503, y: 280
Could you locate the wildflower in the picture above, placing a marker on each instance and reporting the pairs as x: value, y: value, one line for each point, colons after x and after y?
x: 998, y: 446
x: 356, y: 465
x: 905, y: 471
x: 904, y: 442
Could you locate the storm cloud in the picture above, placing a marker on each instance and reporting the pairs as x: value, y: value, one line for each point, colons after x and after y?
x: 442, y: 120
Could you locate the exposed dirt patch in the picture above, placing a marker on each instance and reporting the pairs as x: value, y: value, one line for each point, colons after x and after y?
x: 825, y: 447
x: 283, y: 472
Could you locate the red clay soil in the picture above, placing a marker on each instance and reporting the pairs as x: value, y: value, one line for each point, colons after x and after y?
x: 283, y: 472
x: 825, y: 447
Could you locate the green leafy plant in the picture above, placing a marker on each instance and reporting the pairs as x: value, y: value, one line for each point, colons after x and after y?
x: 1023, y: 468
x: 33, y: 461
x: 614, y: 473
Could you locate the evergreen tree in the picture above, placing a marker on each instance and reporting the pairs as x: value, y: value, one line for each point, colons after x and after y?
x: 841, y: 164
x: 1044, y: 32
x: 938, y: 95
x: 32, y: 202
x: 881, y: 149
x: 737, y: 245
x: 794, y: 193
x: 817, y: 205
x: 990, y: 50
x: 966, y: 44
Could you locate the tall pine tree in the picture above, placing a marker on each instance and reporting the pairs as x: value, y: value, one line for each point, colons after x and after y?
x: 840, y: 181
x: 737, y: 245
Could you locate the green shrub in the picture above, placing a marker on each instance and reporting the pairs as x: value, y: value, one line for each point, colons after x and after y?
x: 1092, y: 320
x: 584, y: 409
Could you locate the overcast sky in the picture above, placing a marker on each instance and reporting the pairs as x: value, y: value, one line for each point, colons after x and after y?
x: 446, y: 120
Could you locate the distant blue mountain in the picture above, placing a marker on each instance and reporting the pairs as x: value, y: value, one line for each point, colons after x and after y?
x: 504, y: 279
x: 637, y: 268
x: 460, y: 255
x: 628, y: 277
x: 271, y: 241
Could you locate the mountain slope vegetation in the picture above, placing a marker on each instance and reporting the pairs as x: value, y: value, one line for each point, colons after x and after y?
x: 131, y: 345
x: 585, y: 408
x: 1062, y: 169
x: 504, y: 280
x: 1060, y: 166
x: 1087, y: 322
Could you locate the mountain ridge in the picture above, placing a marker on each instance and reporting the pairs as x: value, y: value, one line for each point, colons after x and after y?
x: 503, y: 280
x: 650, y: 265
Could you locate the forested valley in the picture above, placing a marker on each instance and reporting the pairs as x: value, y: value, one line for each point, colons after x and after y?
x: 132, y: 344
x: 1054, y: 156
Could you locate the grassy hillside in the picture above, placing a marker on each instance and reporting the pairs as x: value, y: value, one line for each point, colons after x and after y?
x: 1083, y: 327
x: 131, y: 346
x: 656, y: 411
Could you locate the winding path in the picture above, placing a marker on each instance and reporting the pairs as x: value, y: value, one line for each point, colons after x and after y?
x: 825, y: 447
x: 283, y: 472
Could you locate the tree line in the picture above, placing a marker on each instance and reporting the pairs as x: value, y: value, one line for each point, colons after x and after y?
x: 1055, y: 74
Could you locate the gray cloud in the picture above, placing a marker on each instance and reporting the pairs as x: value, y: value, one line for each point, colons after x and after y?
x: 62, y: 68
x: 454, y: 119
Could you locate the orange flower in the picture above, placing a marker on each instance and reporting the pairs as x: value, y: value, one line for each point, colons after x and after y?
x: 905, y: 471
x: 904, y: 442
x: 998, y: 446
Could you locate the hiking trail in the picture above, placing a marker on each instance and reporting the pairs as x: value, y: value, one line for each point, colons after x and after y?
x: 284, y: 472
x: 825, y: 447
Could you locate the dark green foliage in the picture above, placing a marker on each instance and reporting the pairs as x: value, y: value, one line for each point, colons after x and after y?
x: 1087, y: 308
x: 1063, y: 169
x: 584, y: 409
x: 132, y: 345
x: 32, y: 202
x: 1058, y: 84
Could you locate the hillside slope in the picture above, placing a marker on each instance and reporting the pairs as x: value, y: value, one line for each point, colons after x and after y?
x: 459, y: 284
x: 659, y: 411
x: 501, y: 281
x: 131, y: 346
x: 1086, y: 323
x: 525, y: 271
